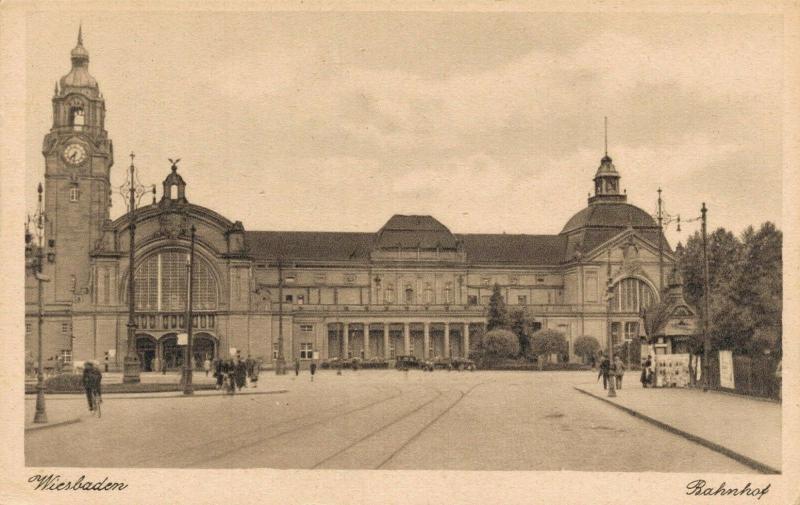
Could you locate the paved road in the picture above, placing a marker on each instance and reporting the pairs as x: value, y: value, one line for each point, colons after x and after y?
x: 374, y: 420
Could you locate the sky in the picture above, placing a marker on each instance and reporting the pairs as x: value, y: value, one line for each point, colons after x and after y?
x: 490, y: 122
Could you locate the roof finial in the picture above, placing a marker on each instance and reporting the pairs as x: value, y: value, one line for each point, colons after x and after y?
x: 80, y: 33
x: 605, y: 121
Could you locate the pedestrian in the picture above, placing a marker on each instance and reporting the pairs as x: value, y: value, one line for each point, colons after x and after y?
x: 240, y: 373
x: 230, y: 377
x: 163, y: 367
x: 91, y: 383
x: 619, y: 371
x: 297, y: 367
x: 313, y: 370
x: 645, y: 377
x: 207, y: 365
x: 254, y: 372
x: 605, y: 369
x: 219, y: 372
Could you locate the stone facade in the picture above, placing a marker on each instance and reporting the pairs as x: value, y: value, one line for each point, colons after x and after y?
x: 414, y: 286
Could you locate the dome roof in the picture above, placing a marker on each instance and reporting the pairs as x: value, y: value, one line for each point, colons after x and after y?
x: 423, y: 232
x: 610, y: 215
x: 79, y: 76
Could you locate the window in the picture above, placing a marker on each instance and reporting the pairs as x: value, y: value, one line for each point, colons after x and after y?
x: 77, y: 118
x: 73, y: 193
x: 306, y: 327
x: 428, y: 294
x: 631, y: 330
x: 275, y: 351
x: 305, y: 350
x: 301, y: 299
x: 389, y: 294
x: 448, y: 293
x: 485, y: 299
x: 28, y: 328
x: 161, y: 283
x: 631, y: 295
x: 522, y: 300
x: 66, y: 356
x: 391, y: 351
x: 409, y: 294
x: 65, y: 328
x: 289, y: 298
x: 472, y: 300
x: 615, y: 333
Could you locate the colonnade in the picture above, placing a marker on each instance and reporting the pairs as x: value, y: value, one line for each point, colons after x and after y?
x: 448, y: 332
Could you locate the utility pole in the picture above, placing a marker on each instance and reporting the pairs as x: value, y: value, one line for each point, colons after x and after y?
x: 612, y: 391
x: 706, y: 296
x: 660, y: 246
x: 188, y: 388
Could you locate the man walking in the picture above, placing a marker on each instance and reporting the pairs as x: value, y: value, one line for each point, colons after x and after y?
x: 91, y: 383
x: 605, y: 369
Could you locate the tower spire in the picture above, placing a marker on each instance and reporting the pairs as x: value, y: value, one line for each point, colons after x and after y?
x: 80, y: 33
x: 605, y: 130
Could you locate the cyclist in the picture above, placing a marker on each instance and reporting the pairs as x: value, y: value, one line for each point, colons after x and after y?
x: 91, y: 383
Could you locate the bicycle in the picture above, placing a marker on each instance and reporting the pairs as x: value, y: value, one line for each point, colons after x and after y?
x: 96, y: 401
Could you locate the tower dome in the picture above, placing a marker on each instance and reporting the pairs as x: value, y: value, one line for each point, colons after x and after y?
x: 79, y: 76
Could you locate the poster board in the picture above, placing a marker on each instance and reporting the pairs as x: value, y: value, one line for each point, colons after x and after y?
x: 726, y: 379
x: 672, y: 370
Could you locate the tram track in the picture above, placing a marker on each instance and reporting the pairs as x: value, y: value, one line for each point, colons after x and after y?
x: 211, y: 444
x: 427, y: 425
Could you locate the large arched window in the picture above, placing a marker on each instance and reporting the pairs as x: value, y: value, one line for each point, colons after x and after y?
x: 631, y: 295
x: 161, y: 283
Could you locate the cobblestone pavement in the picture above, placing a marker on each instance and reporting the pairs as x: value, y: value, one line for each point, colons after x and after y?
x: 375, y: 419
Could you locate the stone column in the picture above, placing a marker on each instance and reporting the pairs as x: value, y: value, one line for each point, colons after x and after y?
x: 466, y: 340
x: 407, y: 338
x: 446, y: 340
x: 366, y: 340
x: 386, y: 341
x: 345, y: 339
x: 427, y: 340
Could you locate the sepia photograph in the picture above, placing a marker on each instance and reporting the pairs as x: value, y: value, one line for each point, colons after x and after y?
x: 428, y: 241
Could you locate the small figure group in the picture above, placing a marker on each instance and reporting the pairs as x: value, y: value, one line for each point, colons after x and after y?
x: 647, y: 372
x: 232, y: 375
x: 609, y: 370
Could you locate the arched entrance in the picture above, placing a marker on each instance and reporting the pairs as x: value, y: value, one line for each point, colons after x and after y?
x: 204, y: 346
x: 146, y: 348
x: 173, y: 353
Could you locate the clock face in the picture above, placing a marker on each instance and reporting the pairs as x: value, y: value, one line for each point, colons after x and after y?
x: 74, y: 154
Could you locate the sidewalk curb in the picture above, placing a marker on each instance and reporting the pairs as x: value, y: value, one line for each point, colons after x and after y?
x: 39, y: 427
x: 741, y: 458
x: 150, y: 396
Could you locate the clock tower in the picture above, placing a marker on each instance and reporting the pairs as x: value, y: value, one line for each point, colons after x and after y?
x: 78, y: 157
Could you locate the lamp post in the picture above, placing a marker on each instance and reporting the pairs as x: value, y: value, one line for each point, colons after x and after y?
x: 612, y: 390
x: 188, y: 389
x: 280, y: 362
x: 133, y: 191
x: 706, y: 296
x: 37, y: 266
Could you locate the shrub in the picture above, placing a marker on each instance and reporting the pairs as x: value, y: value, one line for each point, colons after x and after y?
x: 586, y: 346
x: 65, y: 382
x: 546, y: 342
x: 496, y: 345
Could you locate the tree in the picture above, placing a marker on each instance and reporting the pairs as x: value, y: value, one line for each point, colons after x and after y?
x: 586, y: 347
x: 498, y: 344
x: 745, y: 278
x: 520, y: 326
x: 654, y: 317
x: 498, y: 315
x: 546, y: 342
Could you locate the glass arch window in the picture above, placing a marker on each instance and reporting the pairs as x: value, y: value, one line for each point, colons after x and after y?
x: 161, y: 283
x: 631, y: 295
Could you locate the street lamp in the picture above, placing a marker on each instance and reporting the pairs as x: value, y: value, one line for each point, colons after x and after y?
x: 612, y: 389
x: 36, y: 264
x: 133, y: 191
x: 188, y: 389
